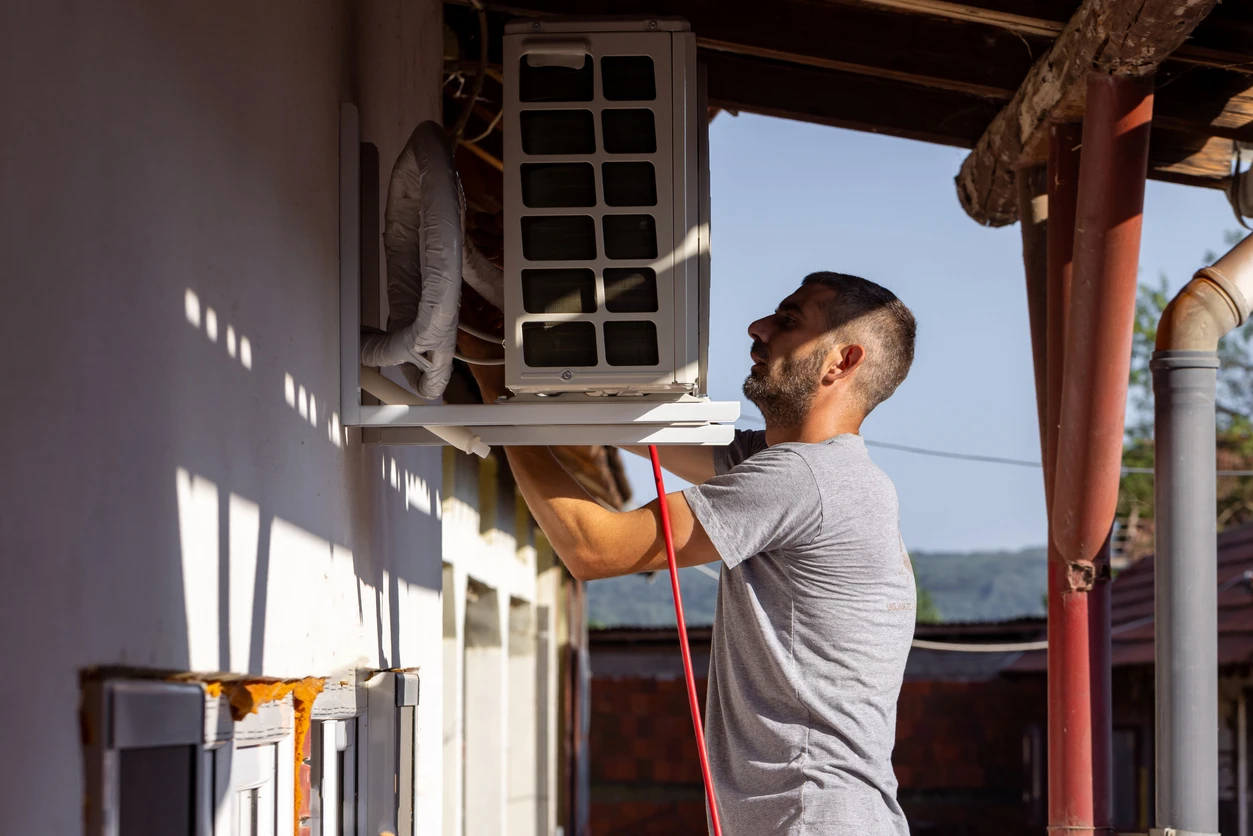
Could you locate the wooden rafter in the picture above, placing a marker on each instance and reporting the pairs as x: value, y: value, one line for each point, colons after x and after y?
x: 950, y: 55
x: 1028, y: 24
x: 1114, y: 36
x: 930, y: 70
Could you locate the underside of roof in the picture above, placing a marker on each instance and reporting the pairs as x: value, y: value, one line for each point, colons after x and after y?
x: 941, y: 72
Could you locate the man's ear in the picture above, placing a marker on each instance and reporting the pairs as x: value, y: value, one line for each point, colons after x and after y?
x: 843, y: 361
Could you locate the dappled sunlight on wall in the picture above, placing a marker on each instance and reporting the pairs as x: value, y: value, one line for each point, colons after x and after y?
x: 281, y: 599
x: 317, y: 609
x: 238, y: 347
x: 415, y: 490
x: 306, y: 405
x: 198, y: 536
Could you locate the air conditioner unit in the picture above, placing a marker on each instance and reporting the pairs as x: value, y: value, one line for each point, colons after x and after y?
x: 606, y: 279
x: 606, y: 208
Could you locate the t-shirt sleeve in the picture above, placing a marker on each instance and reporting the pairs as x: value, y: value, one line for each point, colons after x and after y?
x: 745, y: 444
x: 769, y: 501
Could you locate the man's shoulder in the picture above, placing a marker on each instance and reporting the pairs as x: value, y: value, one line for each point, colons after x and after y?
x: 842, y: 463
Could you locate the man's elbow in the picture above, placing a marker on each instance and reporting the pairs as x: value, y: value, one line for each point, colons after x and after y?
x: 581, y: 564
x: 587, y: 564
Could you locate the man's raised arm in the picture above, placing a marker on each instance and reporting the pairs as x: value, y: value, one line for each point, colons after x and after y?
x: 691, y: 462
x: 594, y: 541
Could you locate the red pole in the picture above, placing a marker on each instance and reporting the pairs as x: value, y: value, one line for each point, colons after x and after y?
x: 1069, y: 710
x: 1088, y: 462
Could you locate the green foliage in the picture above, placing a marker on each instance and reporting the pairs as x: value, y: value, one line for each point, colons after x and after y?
x: 1234, y: 405
x: 927, y: 611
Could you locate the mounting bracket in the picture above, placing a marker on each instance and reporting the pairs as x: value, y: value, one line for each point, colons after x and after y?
x: 568, y: 419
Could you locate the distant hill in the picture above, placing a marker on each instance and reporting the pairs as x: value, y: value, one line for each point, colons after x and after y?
x: 633, y: 601
x: 966, y: 586
x: 984, y: 586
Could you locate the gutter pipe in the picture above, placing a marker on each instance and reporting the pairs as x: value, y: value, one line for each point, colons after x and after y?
x: 1185, y: 371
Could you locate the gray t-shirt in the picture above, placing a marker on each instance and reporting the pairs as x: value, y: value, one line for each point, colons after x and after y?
x: 814, y: 621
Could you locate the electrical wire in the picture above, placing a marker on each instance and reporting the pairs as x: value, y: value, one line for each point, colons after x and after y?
x: 705, y: 570
x: 486, y: 361
x: 488, y: 131
x: 479, y: 76
x: 943, y: 454
x: 482, y: 335
x: 668, y: 535
x: 974, y: 457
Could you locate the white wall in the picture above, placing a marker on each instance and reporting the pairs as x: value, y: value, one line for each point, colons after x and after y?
x: 171, y: 497
x: 502, y: 689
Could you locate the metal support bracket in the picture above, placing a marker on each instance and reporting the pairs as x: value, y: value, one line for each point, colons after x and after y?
x: 405, y: 419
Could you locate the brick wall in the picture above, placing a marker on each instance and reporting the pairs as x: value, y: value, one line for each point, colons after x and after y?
x: 958, y: 757
x: 645, y: 774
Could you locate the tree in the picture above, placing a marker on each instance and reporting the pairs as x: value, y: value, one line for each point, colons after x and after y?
x: 926, y: 610
x: 1234, y: 405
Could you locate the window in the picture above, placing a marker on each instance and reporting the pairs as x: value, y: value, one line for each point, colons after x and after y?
x: 162, y: 757
x: 333, y: 779
x: 390, y: 766
x: 144, y: 758
x: 253, y: 774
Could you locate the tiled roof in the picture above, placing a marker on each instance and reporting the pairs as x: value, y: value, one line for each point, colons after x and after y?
x: 1131, y: 603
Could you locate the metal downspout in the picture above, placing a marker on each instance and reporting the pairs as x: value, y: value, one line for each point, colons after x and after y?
x: 1097, y: 362
x: 1033, y: 213
x: 1069, y: 723
x: 1185, y: 367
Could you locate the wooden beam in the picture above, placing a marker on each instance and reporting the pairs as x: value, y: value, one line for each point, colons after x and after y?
x: 1030, y: 22
x: 845, y: 100
x: 1020, y: 23
x: 957, y: 56
x: 1210, y: 102
x: 1103, y: 35
x: 1189, y: 159
x: 1182, y: 149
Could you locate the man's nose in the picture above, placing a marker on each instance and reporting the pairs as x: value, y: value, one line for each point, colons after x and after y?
x: 760, y: 330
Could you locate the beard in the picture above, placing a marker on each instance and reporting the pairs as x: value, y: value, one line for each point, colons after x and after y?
x: 785, y: 394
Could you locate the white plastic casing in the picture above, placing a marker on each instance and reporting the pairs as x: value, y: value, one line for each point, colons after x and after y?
x: 679, y: 216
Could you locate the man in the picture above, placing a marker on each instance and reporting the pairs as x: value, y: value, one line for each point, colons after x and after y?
x: 816, y: 599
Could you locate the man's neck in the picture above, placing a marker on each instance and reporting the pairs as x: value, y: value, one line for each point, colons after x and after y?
x: 815, y: 429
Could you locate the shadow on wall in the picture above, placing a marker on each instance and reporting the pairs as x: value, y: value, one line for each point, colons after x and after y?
x: 162, y: 503
x: 256, y: 580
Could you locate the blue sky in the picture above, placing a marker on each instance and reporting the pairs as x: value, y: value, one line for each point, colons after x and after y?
x: 790, y: 198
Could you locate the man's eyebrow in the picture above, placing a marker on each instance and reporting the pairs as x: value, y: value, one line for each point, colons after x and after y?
x: 789, y: 307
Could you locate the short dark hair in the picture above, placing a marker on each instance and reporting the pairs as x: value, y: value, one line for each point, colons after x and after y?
x: 871, y: 315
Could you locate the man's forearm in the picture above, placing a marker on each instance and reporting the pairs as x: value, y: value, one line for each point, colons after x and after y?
x: 690, y: 462
x: 571, y: 519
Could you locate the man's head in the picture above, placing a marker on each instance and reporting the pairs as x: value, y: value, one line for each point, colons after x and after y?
x: 839, y: 341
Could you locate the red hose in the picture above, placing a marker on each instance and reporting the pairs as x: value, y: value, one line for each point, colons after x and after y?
x: 687, y: 651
